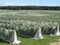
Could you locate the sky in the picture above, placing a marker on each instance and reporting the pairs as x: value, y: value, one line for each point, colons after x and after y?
x: 30, y: 2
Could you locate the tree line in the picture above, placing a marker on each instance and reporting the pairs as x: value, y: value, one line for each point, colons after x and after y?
x: 30, y: 7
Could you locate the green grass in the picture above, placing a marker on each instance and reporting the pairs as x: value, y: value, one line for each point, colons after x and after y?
x: 30, y: 41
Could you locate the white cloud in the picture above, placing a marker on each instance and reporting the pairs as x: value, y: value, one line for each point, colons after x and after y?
x: 10, y: 4
x: 5, y: 4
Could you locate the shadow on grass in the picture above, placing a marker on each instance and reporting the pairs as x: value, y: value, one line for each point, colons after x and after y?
x: 2, y: 41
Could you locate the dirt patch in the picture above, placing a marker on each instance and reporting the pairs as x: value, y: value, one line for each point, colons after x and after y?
x: 55, y: 43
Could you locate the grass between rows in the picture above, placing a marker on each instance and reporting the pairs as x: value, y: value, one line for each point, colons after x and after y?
x: 30, y: 41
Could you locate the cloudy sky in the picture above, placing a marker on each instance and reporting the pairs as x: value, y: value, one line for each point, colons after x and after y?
x: 30, y: 2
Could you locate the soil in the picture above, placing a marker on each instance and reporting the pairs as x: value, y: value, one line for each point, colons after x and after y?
x: 56, y: 43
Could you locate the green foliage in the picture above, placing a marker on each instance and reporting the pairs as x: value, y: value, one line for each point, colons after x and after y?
x: 30, y: 7
x: 27, y: 22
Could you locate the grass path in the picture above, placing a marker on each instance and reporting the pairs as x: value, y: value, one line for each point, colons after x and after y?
x: 29, y: 41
